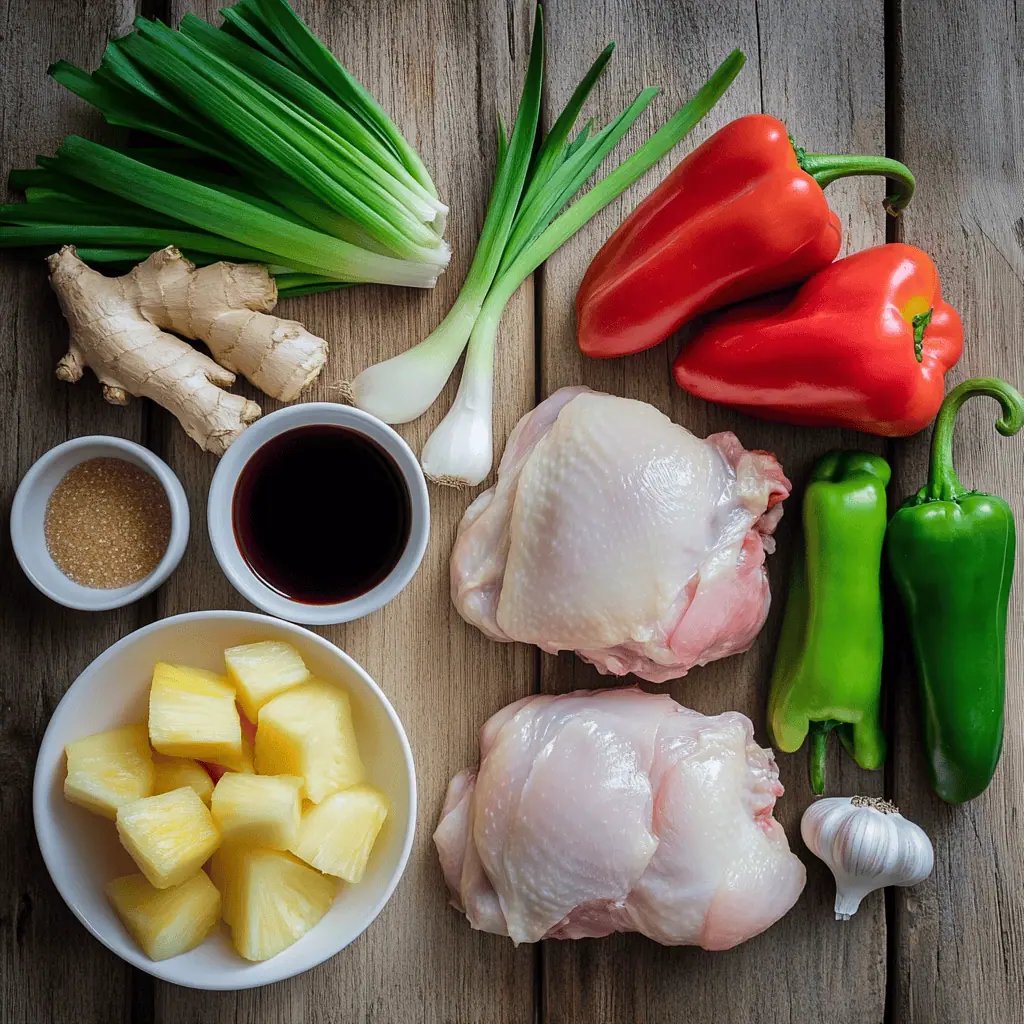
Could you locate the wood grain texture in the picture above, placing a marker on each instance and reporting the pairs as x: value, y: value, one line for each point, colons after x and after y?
x: 441, y: 67
x: 49, y: 967
x: 440, y: 70
x: 959, y: 936
x: 832, y: 99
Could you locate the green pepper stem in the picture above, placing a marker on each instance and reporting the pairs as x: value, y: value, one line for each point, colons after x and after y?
x: 920, y: 322
x: 943, y: 483
x: 819, y: 748
x: 825, y: 168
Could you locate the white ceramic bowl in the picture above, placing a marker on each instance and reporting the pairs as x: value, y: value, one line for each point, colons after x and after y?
x: 222, y: 533
x: 82, y: 852
x: 29, y: 511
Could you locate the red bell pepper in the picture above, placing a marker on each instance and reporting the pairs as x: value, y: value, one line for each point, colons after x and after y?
x: 865, y: 344
x: 742, y: 215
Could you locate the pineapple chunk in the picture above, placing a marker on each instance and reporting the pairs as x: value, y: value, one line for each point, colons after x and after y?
x: 307, y: 731
x: 169, y: 836
x: 166, y: 922
x: 247, y: 762
x: 263, y: 810
x: 262, y: 671
x: 244, y: 763
x: 337, y: 834
x: 192, y: 713
x: 225, y: 870
x: 175, y: 772
x: 278, y: 900
x: 109, y: 769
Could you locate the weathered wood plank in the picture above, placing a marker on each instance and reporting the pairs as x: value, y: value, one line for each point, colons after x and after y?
x: 440, y: 70
x: 49, y: 968
x: 959, y: 935
x: 446, y: 66
x: 820, y: 68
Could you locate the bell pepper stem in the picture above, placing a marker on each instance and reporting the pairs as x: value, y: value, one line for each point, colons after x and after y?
x: 825, y: 168
x: 819, y: 749
x: 919, y: 323
x: 943, y: 483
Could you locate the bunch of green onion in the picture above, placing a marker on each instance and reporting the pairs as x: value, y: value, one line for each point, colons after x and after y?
x: 525, y: 223
x: 270, y: 152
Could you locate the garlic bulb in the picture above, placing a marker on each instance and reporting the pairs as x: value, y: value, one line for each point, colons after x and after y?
x: 867, y: 844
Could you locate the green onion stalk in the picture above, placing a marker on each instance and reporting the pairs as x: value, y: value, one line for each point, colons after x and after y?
x: 269, y: 151
x: 528, y: 218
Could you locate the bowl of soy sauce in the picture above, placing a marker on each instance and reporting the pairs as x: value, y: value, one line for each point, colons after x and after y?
x: 319, y: 513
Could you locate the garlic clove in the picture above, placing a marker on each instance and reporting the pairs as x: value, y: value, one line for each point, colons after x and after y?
x: 867, y: 844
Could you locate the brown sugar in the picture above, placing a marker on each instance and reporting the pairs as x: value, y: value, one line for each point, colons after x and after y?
x: 108, y: 523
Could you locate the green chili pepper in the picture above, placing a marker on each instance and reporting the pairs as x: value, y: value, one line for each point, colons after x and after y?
x: 828, y: 667
x: 951, y: 552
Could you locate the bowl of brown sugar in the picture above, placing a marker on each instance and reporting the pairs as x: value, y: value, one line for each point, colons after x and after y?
x: 99, y: 522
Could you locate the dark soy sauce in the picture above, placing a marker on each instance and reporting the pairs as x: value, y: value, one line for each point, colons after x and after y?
x: 321, y: 514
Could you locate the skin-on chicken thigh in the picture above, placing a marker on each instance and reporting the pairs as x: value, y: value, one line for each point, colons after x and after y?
x: 616, y: 533
x: 618, y: 810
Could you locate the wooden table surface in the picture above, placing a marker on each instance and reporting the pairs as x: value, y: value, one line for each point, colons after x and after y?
x: 938, y: 85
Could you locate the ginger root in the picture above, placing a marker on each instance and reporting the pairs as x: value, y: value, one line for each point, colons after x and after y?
x: 118, y: 329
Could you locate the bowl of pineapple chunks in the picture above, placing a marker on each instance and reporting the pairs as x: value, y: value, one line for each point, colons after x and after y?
x: 225, y: 799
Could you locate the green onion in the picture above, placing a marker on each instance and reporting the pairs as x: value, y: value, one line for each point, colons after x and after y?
x: 290, y: 285
x: 295, y: 246
x: 124, y: 236
x: 307, y: 96
x: 293, y: 35
x: 525, y: 223
x: 277, y: 153
x: 400, y: 389
x: 283, y: 134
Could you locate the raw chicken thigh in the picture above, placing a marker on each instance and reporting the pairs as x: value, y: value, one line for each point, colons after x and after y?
x: 618, y: 810
x: 616, y: 533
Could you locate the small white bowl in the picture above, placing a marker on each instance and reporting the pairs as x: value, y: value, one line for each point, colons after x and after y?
x: 28, y: 513
x: 220, y: 514
x: 82, y: 852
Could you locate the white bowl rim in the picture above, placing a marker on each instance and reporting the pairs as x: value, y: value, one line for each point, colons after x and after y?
x: 97, y: 599
x: 135, y: 956
x: 220, y: 525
